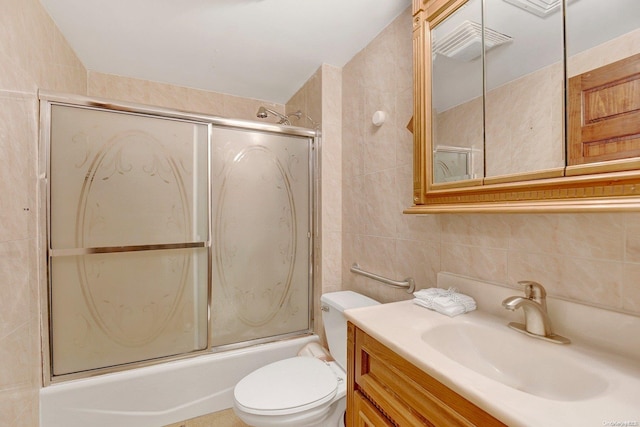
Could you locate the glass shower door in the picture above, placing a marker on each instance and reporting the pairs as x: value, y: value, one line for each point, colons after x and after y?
x: 128, y: 237
x: 262, y: 228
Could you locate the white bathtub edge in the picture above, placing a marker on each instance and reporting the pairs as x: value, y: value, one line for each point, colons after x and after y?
x: 159, y: 395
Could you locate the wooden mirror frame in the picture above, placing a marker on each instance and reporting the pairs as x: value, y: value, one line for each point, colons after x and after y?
x: 593, y: 187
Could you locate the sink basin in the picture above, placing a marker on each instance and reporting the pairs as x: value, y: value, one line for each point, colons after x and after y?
x: 533, y: 366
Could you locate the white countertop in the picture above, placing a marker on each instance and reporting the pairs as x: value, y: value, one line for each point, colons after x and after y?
x: 400, y: 326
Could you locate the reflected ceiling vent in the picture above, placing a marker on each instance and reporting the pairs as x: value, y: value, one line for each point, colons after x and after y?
x: 541, y: 8
x: 464, y: 43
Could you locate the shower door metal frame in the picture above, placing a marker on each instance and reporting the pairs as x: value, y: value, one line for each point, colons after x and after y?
x: 47, y: 100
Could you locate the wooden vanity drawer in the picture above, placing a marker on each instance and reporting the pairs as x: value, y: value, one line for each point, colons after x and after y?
x: 368, y: 415
x: 404, y: 393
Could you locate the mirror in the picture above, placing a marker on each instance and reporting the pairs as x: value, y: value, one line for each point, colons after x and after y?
x: 457, y: 88
x: 603, y: 63
x: 524, y: 87
x: 546, y: 117
x: 514, y: 93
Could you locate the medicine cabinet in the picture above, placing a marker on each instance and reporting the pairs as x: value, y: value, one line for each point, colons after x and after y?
x: 524, y: 106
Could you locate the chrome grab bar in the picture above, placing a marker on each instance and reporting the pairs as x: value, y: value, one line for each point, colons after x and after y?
x: 409, y: 284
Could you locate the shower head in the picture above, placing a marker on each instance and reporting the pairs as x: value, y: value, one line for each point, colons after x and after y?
x: 262, y: 113
x: 296, y: 114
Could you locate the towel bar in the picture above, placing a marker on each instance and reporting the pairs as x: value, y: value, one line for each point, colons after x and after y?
x: 408, y: 283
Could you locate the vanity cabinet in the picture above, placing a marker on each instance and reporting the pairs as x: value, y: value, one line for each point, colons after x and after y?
x: 384, y: 389
x: 366, y: 414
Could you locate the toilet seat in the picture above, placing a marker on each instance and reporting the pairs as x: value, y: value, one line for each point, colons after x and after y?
x: 288, y: 386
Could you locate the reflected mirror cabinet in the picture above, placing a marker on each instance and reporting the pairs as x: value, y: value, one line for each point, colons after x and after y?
x: 526, y: 105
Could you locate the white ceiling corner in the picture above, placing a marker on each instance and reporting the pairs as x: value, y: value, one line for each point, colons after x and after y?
x: 262, y: 49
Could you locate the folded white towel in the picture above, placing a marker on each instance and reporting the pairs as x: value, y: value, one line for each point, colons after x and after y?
x: 445, y: 301
x: 428, y: 295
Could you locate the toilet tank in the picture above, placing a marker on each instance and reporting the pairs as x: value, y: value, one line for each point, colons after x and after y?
x: 335, y: 324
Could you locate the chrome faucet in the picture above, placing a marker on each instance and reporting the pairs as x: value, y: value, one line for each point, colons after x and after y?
x: 536, y: 319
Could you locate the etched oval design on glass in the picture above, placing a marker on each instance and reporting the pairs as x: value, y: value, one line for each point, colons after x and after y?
x: 133, y: 194
x: 256, y: 233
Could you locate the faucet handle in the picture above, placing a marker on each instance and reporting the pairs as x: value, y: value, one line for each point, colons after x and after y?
x: 533, y: 290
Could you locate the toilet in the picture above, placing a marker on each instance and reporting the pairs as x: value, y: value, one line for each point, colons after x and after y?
x: 303, y: 391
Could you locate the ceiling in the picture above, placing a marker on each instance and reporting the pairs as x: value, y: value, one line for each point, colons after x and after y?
x: 262, y: 49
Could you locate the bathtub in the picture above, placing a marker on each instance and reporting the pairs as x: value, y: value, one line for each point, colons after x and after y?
x: 159, y: 395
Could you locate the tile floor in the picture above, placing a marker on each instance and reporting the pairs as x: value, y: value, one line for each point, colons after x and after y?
x: 224, y: 418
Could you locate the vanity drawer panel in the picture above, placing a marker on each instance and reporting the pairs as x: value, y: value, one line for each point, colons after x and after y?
x: 408, y: 395
x: 368, y: 415
x: 394, y: 407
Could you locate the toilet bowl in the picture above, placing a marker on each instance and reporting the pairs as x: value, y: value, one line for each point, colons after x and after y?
x: 303, y: 391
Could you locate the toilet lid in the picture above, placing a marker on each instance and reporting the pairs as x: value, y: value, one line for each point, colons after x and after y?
x: 290, y: 385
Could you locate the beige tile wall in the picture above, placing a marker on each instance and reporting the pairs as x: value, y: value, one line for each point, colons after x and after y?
x: 175, y: 97
x: 524, y: 124
x: 591, y: 258
x: 461, y: 126
x: 331, y: 179
x: 320, y: 100
x: 524, y: 137
x: 377, y: 169
x: 33, y: 54
x: 308, y: 99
